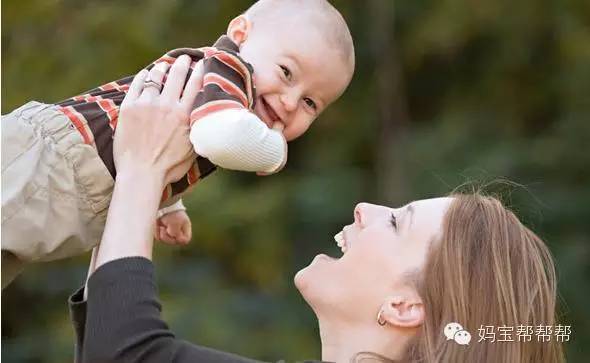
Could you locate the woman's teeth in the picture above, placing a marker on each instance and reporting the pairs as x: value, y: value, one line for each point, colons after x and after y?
x: 339, y: 238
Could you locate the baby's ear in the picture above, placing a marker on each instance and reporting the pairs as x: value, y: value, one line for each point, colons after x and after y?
x: 238, y: 29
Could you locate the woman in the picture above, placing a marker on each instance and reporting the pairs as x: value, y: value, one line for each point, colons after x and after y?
x: 405, y: 273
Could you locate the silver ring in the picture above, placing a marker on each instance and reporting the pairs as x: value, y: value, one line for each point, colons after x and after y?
x: 150, y: 83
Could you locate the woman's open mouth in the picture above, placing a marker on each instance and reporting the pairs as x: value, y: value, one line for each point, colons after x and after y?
x: 341, y: 241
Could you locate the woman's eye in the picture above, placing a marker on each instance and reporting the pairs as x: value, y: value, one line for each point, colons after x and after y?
x: 310, y: 103
x: 393, y: 221
x: 286, y: 72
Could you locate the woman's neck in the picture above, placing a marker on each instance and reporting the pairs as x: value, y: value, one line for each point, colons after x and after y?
x: 341, y: 341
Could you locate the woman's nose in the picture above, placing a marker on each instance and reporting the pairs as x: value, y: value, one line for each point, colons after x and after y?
x: 361, y: 214
x: 367, y: 213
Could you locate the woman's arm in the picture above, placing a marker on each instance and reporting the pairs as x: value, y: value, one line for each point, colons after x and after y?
x: 121, y: 322
x: 151, y: 148
x: 124, y: 324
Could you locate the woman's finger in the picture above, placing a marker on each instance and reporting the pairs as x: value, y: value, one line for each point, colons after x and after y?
x: 153, y: 83
x: 135, y: 87
x: 176, y: 78
x: 181, y: 168
x: 193, y: 86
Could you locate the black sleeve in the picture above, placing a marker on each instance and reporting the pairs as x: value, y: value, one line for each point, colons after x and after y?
x: 121, y: 320
x: 77, y: 307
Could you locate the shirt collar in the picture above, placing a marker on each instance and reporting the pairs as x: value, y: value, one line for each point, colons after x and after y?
x: 225, y: 43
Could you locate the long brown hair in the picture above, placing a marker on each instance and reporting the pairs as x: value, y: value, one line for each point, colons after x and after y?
x: 487, y: 269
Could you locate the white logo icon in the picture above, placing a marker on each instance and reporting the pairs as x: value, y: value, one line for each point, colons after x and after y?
x: 456, y: 332
x: 451, y: 329
x: 462, y: 337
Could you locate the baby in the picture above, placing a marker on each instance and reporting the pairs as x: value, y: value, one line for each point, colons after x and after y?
x: 279, y: 66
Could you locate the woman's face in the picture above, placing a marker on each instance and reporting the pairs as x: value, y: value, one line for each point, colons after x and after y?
x: 381, y: 249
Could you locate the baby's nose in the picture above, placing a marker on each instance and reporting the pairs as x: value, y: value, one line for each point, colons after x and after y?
x: 290, y: 99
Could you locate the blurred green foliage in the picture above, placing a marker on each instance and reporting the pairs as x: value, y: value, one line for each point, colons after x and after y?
x: 444, y: 92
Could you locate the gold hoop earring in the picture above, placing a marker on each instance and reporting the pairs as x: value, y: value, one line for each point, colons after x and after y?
x: 380, y: 319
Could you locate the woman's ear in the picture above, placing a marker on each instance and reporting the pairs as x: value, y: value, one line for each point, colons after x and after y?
x: 401, y: 311
x: 238, y: 29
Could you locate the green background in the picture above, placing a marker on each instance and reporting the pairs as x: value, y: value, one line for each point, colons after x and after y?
x: 445, y: 92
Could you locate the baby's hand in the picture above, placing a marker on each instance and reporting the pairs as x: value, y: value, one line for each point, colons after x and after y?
x: 279, y: 127
x: 174, y: 228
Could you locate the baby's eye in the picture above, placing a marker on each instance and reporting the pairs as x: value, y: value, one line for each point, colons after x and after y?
x: 286, y: 72
x: 310, y: 103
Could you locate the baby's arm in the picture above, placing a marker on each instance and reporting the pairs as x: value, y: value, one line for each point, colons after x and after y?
x: 224, y: 130
x: 239, y: 140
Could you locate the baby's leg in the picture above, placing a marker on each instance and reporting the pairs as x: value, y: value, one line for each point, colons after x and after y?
x: 55, y: 189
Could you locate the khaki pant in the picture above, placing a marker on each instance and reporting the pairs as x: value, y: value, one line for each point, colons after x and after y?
x: 55, y: 189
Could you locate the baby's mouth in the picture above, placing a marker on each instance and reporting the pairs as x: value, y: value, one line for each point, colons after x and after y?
x: 270, y: 111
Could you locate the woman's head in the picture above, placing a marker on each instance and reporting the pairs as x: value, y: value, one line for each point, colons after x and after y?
x: 464, y: 259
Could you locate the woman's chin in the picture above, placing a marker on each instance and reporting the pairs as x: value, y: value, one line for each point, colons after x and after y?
x: 304, y: 282
x: 302, y: 278
x: 311, y: 277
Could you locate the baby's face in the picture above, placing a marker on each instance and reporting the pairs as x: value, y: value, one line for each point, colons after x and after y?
x: 297, y: 74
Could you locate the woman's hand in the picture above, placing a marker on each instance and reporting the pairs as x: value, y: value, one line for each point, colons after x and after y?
x: 151, y: 149
x: 152, y: 134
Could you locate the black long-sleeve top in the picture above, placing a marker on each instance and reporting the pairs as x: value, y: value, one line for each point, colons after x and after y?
x: 121, y: 322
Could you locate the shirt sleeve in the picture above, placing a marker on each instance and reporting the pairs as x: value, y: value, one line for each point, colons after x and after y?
x: 174, y: 207
x: 239, y: 140
x: 121, y: 322
x: 77, y: 307
x: 227, y: 84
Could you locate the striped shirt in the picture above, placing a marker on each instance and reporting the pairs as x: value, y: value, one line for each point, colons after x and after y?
x: 227, y: 84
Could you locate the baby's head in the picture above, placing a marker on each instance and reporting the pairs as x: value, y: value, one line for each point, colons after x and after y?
x: 303, y: 59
